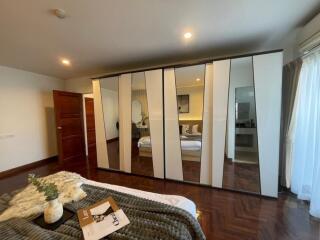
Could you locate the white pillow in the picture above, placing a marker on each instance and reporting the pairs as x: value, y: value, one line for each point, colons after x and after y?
x: 195, y: 128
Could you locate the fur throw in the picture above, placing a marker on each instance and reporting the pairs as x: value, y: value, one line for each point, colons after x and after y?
x: 30, y: 202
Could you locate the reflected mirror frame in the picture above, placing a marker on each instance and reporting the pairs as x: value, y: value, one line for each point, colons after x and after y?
x: 203, y: 75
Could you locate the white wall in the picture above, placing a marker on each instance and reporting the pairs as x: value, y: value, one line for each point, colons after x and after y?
x: 27, y: 123
x: 79, y: 85
x: 110, y: 111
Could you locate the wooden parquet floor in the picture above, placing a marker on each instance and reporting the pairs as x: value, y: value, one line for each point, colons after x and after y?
x: 224, y: 215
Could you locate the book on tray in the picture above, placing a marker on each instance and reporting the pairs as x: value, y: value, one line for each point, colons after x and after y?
x: 101, y: 219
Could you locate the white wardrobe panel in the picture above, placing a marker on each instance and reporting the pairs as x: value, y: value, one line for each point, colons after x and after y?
x: 102, y: 152
x: 155, y: 107
x: 125, y: 122
x: 206, y: 151
x: 172, y: 136
x: 220, y: 86
x: 268, y: 83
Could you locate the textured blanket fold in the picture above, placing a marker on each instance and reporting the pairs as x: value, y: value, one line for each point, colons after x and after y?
x: 148, y: 220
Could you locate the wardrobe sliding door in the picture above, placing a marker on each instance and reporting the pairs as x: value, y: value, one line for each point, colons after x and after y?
x: 129, y: 120
x: 184, y: 123
x: 246, y: 113
x: 106, y: 99
x: 241, y: 158
x: 268, y: 84
x: 147, y: 124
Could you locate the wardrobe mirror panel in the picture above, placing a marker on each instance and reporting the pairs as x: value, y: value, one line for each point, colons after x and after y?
x: 241, y: 163
x: 141, y: 152
x: 190, y: 96
x: 110, y: 102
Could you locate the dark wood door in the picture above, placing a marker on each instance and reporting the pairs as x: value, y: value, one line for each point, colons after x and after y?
x: 69, y: 123
x: 91, y: 130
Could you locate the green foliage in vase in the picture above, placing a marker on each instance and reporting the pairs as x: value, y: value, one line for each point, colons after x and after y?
x: 50, y: 190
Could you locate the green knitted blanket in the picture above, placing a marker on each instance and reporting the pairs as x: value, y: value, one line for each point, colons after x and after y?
x: 148, y: 220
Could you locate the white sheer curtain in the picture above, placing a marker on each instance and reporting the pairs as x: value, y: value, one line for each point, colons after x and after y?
x: 305, y: 180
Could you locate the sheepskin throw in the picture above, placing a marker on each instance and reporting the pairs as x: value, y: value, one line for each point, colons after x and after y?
x: 29, y: 202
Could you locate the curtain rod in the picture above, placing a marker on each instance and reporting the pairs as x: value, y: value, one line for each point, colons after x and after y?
x: 311, y: 51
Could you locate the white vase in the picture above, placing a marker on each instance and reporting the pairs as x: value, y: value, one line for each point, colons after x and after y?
x: 53, y: 212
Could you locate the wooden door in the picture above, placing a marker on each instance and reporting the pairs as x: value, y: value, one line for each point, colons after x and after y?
x: 91, y: 131
x: 69, y: 123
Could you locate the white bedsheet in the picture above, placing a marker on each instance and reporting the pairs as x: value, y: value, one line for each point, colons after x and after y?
x: 193, y: 145
x: 173, y: 200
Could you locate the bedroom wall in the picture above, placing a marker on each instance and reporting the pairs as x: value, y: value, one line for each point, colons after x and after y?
x: 79, y: 85
x: 195, y: 102
x: 27, y: 124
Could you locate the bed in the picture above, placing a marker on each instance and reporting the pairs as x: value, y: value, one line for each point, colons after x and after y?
x: 190, y: 141
x: 151, y: 215
x: 173, y: 200
x: 190, y: 147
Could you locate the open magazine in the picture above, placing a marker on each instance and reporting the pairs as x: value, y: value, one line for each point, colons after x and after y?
x: 101, y: 219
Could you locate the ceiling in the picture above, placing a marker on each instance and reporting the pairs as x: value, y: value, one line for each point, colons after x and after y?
x: 100, y: 36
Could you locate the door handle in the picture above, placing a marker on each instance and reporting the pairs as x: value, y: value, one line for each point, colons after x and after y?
x: 59, y: 128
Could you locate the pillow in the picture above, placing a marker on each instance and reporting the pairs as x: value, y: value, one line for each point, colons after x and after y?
x: 195, y: 129
x: 185, y: 129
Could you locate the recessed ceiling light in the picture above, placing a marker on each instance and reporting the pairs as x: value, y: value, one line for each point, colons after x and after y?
x: 187, y: 35
x: 66, y: 62
x: 198, y: 79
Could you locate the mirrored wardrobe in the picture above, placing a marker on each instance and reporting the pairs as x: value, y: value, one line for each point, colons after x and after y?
x: 110, y: 106
x: 190, y: 92
x: 216, y: 124
x: 241, y: 163
x: 184, y: 90
x: 129, y: 123
x: 141, y: 147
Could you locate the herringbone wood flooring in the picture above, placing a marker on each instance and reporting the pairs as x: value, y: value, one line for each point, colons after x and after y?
x: 224, y: 215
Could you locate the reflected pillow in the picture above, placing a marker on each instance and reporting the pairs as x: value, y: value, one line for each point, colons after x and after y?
x: 185, y: 129
x: 195, y: 130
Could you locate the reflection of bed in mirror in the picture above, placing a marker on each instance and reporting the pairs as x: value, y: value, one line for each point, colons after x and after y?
x: 190, y: 141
